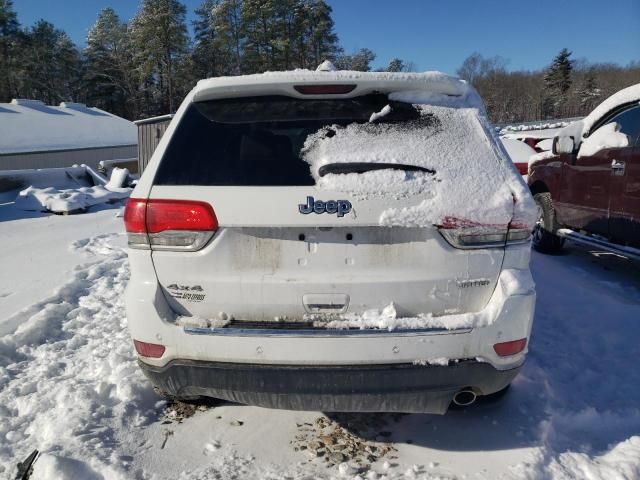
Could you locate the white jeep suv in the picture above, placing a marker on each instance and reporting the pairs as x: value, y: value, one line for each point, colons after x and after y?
x: 330, y: 240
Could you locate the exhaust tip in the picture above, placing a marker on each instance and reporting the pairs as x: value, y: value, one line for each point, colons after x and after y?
x: 465, y: 397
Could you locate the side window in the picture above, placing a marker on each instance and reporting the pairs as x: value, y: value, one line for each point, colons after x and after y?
x: 629, y: 121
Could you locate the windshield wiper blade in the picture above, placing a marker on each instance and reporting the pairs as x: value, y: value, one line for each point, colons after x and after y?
x: 361, y: 167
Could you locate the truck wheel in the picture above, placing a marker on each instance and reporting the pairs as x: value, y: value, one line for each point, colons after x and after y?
x: 544, y: 240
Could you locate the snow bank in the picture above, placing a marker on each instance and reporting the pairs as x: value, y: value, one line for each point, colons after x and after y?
x: 471, y: 180
x: 73, y: 199
x: 532, y: 127
x: 511, y: 282
x: 64, y: 201
x: 621, y: 462
x: 70, y: 177
x: 69, y: 379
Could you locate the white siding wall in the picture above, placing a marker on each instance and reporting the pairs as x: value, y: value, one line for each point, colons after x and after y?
x: 65, y: 158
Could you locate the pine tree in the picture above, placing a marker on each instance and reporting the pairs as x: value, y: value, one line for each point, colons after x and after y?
x: 160, y: 39
x: 588, y: 92
x: 557, y: 82
x: 323, y: 41
x: 109, y: 79
x: 260, y: 28
x: 206, y: 57
x: 359, y: 60
x: 50, y: 65
x: 9, y: 43
x: 395, y: 65
x: 229, y: 39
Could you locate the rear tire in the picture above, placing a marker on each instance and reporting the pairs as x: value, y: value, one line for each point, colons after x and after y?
x: 544, y: 238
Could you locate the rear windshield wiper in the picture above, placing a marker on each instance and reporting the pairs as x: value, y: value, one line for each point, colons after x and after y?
x: 361, y: 167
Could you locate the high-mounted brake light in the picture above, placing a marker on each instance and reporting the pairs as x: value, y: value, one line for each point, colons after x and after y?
x: 505, y: 349
x: 151, y: 350
x: 169, y: 224
x: 324, y: 89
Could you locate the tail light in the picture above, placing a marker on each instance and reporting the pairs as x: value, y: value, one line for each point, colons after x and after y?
x: 506, y: 349
x: 151, y: 350
x: 169, y: 224
x: 467, y: 234
x: 522, y: 167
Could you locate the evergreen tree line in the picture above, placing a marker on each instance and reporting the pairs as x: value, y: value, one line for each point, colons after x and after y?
x: 566, y: 88
x: 144, y: 67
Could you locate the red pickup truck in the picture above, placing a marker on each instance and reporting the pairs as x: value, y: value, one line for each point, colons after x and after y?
x: 588, y: 187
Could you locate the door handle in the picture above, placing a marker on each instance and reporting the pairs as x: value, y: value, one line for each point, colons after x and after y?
x: 617, y: 167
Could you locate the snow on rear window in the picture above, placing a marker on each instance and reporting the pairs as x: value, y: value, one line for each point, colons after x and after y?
x: 472, y: 179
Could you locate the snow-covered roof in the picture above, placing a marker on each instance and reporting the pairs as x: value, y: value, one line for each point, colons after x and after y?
x: 282, y: 83
x: 626, y: 95
x: 517, y: 150
x: 32, y: 126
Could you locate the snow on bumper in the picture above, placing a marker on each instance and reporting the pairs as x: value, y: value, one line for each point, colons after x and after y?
x: 508, y: 316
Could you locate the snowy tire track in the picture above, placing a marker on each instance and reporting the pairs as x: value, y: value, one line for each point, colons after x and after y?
x: 68, y: 376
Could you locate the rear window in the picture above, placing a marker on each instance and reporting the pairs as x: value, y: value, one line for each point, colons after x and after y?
x: 257, y: 141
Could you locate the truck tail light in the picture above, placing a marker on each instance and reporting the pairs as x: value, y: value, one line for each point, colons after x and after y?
x: 522, y: 167
x: 184, y: 225
x: 506, y: 349
x: 151, y: 350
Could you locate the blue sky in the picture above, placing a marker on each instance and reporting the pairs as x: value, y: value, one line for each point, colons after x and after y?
x: 435, y: 34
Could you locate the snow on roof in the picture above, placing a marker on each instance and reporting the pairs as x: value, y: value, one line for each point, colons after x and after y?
x: 517, y: 150
x: 31, y: 126
x: 281, y: 83
x: 626, y: 95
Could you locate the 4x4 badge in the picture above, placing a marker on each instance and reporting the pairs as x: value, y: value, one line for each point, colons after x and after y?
x: 341, y: 207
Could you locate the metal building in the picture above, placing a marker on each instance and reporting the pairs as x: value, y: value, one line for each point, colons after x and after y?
x: 150, y: 131
x: 35, y: 135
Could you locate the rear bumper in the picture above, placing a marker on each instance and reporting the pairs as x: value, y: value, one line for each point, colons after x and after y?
x: 343, y: 388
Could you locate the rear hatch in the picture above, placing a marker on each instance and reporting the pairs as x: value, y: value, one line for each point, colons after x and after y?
x: 327, y: 207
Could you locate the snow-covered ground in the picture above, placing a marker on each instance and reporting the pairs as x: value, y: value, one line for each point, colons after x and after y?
x: 70, y: 387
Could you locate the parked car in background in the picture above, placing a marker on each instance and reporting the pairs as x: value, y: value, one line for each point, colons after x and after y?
x: 306, y: 240
x: 519, y: 152
x: 588, y: 187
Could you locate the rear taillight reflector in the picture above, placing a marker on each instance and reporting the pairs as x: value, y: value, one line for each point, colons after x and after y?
x: 151, y: 350
x: 169, y: 224
x: 506, y: 349
x: 134, y: 215
x: 324, y: 89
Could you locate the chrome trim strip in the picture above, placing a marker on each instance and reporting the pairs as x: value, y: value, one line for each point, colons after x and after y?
x: 328, y: 333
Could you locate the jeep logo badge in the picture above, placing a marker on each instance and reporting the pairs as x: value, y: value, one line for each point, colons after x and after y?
x: 341, y: 207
